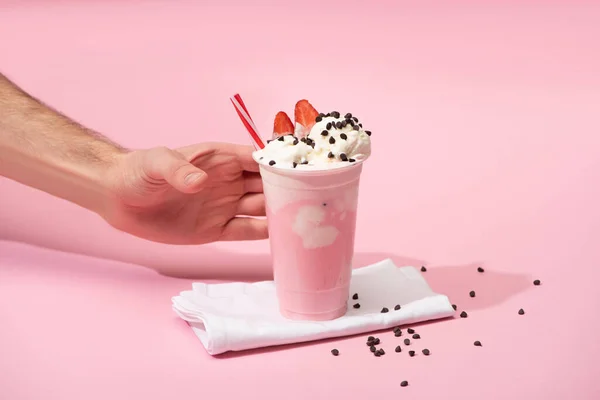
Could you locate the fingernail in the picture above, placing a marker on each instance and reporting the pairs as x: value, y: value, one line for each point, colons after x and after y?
x: 192, y: 178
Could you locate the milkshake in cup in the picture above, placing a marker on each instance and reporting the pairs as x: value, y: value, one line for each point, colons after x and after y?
x: 311, y: 173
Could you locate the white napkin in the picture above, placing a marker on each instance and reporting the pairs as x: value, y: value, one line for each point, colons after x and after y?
x: 240, y: 316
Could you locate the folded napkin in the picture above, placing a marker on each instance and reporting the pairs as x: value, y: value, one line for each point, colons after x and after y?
x: 240, y: 316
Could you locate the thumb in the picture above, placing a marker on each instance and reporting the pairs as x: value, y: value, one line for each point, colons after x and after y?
x: 176, y: 170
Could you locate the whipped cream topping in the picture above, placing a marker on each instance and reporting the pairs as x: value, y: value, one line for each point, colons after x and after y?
x: 333, y: 142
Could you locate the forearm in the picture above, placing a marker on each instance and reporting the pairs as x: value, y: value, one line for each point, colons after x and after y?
x: 43, y: 149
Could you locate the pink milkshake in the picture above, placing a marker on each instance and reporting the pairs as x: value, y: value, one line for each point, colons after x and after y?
x: 311, y: 180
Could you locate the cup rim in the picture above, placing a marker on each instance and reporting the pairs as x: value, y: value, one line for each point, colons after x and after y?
x: 326, y: 171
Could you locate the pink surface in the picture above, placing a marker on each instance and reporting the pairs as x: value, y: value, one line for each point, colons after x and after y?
x: 485, y: 114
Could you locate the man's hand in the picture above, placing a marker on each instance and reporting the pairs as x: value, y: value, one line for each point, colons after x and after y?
x: 192, y: 195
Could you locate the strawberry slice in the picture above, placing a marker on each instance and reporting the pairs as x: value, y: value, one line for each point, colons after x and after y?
x: 283, y: 125
x: 305, y: 114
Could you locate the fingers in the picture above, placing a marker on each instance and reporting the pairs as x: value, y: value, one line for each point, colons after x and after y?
x: 164, y: 163
x: 242, y: 153
x: 252, y: 205
x: 253, y: 183
x: 245, y: 228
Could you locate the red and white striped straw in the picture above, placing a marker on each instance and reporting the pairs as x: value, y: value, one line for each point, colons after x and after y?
x: 242, y: 111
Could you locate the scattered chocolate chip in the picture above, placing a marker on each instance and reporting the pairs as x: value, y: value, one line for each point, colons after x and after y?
x: 426, y: 352
x: 373, y: 349
x: 360, y: 125
x: 330, y: 155
x: 370, y: 338
x: 463, y: 314
x: 384, y: 310
x: 261, y: 158
x: 357, y: 305
x: 410, y: 330
x: 328, y: 115
x: 295, y: 141
x: 328, y: 126
x: 343, y: 156
x: 304, y: 162
x: 350, y: 122
x: 477, y: 343
x: 319, y: 118
x: 349, y: 115
x: 404, y: 383
x: 396, y: 329
x: 472, y: 293
x: 335, y: 114
x: 338, y: 125
x: 355, y: 119
x: 423, y: 269
x: 407, y: 342
x: 351, y: 160
x: 356, y: 128
x: 479, y: 269
x: 411, y: 353
x: 331, y: 140
x: 416, y: 336
x: 398, y: 333
x: 368, y: 133
x: 397, y: 307
x: 324, y: 133
x: 321, y: 114
x: 335, y: 352
x: 281, y: 138
x: 521, y: 311
x: 272, y: 162
x: 398, y: 349
x: 381, y: 351
x: 537, y: 282
x: 378, y: 353
x: 454, y: 306
x: 376, y: 341
x: 343, y: 136
x: 294, y: 164
x: 344, y: 124
x: 355, y: 295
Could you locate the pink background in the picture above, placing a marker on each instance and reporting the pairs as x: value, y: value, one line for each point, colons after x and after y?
x: 486, y: 121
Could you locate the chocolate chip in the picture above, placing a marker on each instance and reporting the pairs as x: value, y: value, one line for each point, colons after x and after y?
x: 328, y: 126
x: 324, y: 133
x: 416, y: 336
x: 350, y: 122
x: 373, y: 349
x: 356, y: 305
x: 294, y: 164
x: 295, y: 141
x: 537, y: 282
x: 396, y: 329
x: 371, y: 338
x: 404, y: 383
x: 261, y: 158
x: 351, y: 160
x: 426, y: 352
x: 411, y: 353
x: 376, y: 341
x: 378, y: 353
x: 407, y: 342
x: 521, y: 311
x: 344, y: 124
x: 410, y: 330
x: 343, y: 136
x: 330, y: 155
x: 398, y: 349
x: 384, y: 310
x: 328, y: 115
x: 472, y: 293
x: 479, y: 269
x: 272, y: 162
x: 303, y: 140
x: 355, y: 119
x: 397, y: 307
x: 343, y: 157
x: 331, y: 140
x: 335, y: 114
x: 281, y: 138
x: 381, y: 351
x: 355, y: 297
x: 338, y: 125
x: 319, y: 118
x: 463, y: 314
x: 269, y: 141
x: 304, y: 162
x: 477, y: 343
x: 349, y: 115
x: 423, y: 269
x: 360, y: 125
x: 335, y: 352
x: 321, y: 114
x: 454, y: 306
x: 368, y: 133
x: 398, y: 333
x: 356, y: 128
